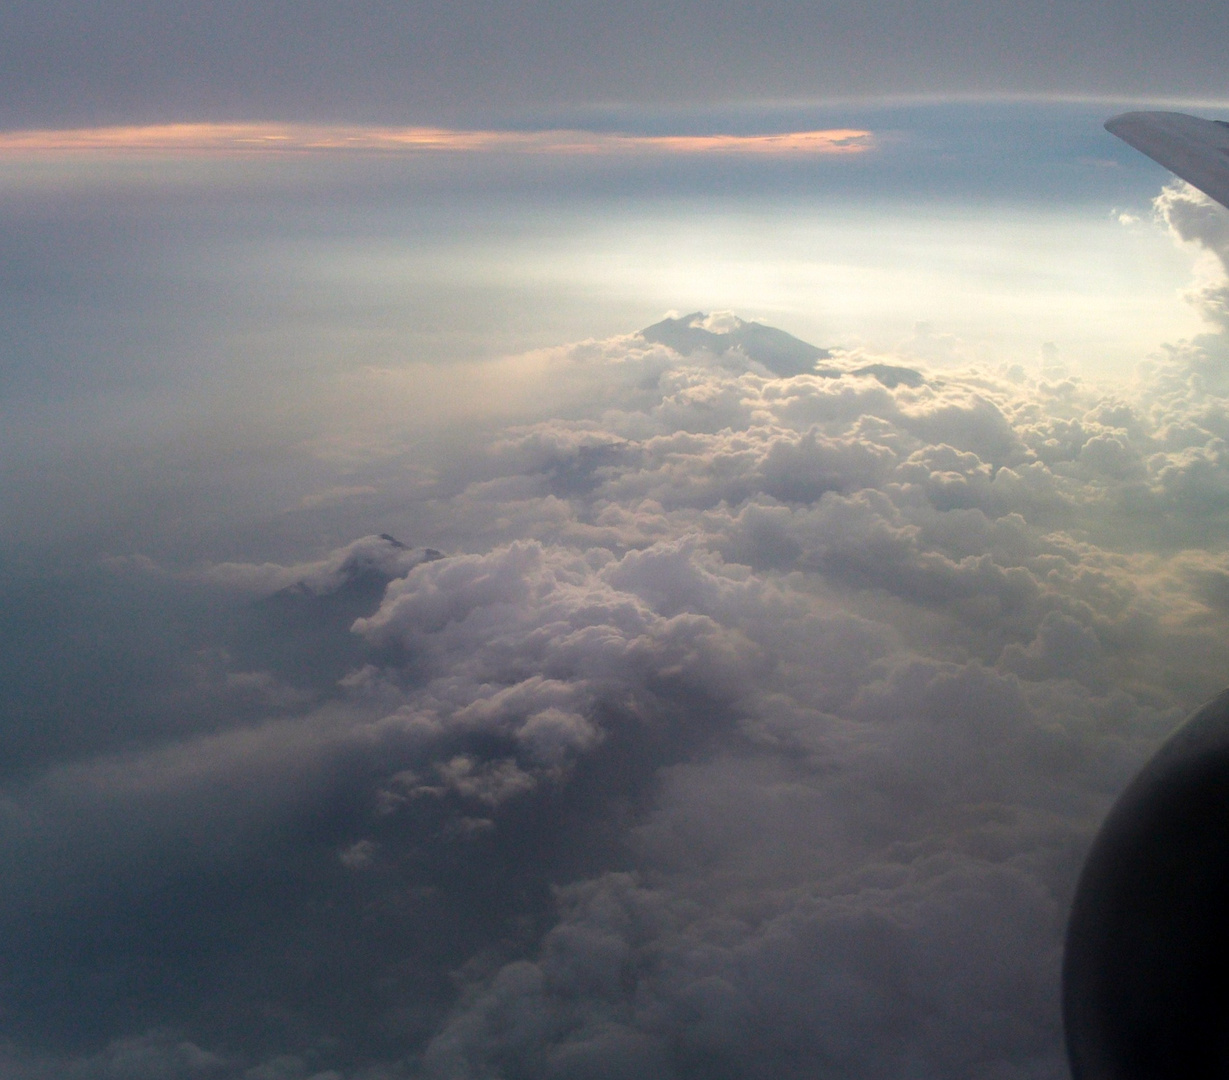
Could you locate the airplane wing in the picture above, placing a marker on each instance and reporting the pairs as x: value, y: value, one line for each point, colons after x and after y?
x: 1197, y: 150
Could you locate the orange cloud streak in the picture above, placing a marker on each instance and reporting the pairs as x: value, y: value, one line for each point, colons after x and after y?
x: 297, y: 138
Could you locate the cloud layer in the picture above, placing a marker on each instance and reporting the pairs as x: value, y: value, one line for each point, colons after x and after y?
x: 757, y: 731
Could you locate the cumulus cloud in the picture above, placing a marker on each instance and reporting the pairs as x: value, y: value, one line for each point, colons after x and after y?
x: 757, y: 730
x: 1191, y: 216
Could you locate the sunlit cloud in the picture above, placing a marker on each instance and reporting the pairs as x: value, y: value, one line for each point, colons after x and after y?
x: 300, y: 138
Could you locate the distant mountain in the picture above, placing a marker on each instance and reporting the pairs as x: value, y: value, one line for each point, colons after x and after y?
x: 781, y: 353
x: 302, y: 633
x: 370, y: 563
x: 891, y: 375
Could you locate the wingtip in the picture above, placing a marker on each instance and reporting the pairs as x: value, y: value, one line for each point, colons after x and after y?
x: 1116, y: 123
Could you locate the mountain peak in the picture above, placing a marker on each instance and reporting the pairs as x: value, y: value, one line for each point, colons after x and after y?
x: 721, y: 332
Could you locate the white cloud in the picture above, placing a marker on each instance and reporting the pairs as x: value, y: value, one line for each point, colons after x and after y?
x: 1192, y: 217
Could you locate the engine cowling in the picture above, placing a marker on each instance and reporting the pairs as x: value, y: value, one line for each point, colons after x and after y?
x: 1146, y: 966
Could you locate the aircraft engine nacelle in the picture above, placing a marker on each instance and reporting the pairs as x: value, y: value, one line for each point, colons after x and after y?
x: 1146, y: 969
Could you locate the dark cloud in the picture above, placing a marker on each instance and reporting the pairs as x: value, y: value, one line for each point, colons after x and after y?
x: 72, y: 62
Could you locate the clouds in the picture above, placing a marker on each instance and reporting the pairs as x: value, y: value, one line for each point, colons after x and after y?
x: 937, y: 678
x: 1192, y: 216
x: 854, y: 984
x: 751, y: 725
x: 739, y: 721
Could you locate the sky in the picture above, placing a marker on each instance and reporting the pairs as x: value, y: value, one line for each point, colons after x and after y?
x: 410, y: 669
x: 67, y: 62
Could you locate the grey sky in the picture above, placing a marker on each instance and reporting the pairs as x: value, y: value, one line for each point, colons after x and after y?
x: 71, y: 62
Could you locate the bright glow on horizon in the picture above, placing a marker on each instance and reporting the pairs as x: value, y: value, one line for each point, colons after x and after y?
x: 300, y: 138
x: 945, y: 286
